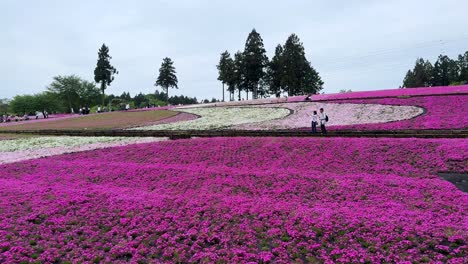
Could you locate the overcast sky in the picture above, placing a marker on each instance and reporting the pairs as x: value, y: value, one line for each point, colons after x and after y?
x: 358, y: 45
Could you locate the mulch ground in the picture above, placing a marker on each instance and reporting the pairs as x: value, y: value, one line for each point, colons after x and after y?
x: 113, y: 120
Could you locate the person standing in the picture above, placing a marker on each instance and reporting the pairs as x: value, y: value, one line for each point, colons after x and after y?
x: 315, y: 120
x: 323, y: 121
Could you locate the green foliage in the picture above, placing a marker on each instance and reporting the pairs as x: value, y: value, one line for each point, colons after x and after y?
x: 104, y: 71
x: 4, y: 104
x: 463, y: 67
x: 444, y: 72
x: 88, y: 93
x: 238, y: 77
x: 140, y: 100
x: 275, y: 72
x: 155, y: 100
x: 345, y: 91
x: 184, y: 100
x: 73, y: 92
x: 289, y: 70
x: 255, y: 61
x: 21, y: 104
x: 30, y: 104
x: 298, y: 76
x: 225, y: 68
x: 167, y: 76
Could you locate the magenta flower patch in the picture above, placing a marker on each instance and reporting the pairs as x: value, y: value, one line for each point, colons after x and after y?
x: 239, y: 200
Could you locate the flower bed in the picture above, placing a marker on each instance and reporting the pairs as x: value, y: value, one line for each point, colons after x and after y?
x: 221, y: 117
x: 339, y: 114
x: 239, y: 200
x: 112, y: 120
x: 25, y: 148
x: 423, y: 91
x: 422, y: 112
x: 442, y: 112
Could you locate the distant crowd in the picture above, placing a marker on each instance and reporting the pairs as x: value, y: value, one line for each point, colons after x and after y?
x: 15, y: 118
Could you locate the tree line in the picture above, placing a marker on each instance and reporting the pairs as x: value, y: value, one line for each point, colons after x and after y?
x: 70, y: 93
x: 445, y: 71
x: 250, y: 70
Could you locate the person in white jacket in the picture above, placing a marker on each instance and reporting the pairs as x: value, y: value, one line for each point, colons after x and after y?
x: 315, y: 120
x: 323, y: 121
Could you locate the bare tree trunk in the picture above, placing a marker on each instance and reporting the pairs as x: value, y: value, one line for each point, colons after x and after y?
x: 223, y: 92
x: 167, y: 95
x: 103, y: 88
x: 255, y: 92
x: 247, y: 94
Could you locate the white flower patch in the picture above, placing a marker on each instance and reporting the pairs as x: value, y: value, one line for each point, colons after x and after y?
x: 15, y: 150
x: 339, y: 115
x: 51, y: 142
x: 222, y: 117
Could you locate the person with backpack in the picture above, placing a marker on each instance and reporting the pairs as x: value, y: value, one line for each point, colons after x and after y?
x: 323, y: 121
x: 315, y: 120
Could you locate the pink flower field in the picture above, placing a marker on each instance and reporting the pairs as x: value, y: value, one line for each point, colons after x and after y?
x: 239, y: 200
x: 442, y: 112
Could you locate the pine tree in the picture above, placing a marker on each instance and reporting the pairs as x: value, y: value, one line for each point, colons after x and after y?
x: 445, y: 71
x: 275, y: 72
x: 104, y: 72
x: 224, y: 68
x: 230, y: 77
x: 238, y: 74
x: 408, y: 81
x: 463, y: 67
x: 299, y: 77
x: 167, y: 76
x: 255, y: 61
x: 313, y: 83
x: 420, y: 76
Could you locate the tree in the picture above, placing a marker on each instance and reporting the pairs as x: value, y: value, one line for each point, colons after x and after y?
x: 420, y: 76
x: 275, y: 72
x: 4, y: 104
x: 140, y: 100
x: 238, y: 79
x: 229, y: 76
x: 409, y: 80
x: 224, y: 67
x: 312, y: 81
x: 345, y: 91
x: 445, y: 71
x: 67, y: 88
x: 104, y: 72
x: 22, y: 104
x: 299, y: 77
x: 255, y: 61
x: 167, y: 76
x: 89, y: 94
x: 46, y: 101
x: 126, y: 97
x: 30, y: 104
x: 463, y: 67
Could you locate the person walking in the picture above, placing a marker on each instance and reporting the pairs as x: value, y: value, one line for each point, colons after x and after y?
x: 323, y: 121
x: 315, y: 120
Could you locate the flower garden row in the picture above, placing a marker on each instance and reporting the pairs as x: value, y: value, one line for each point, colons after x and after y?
x: 445, y: 108
x: 15, y: 149
x: 424, y: 112
x: 224, y: 200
